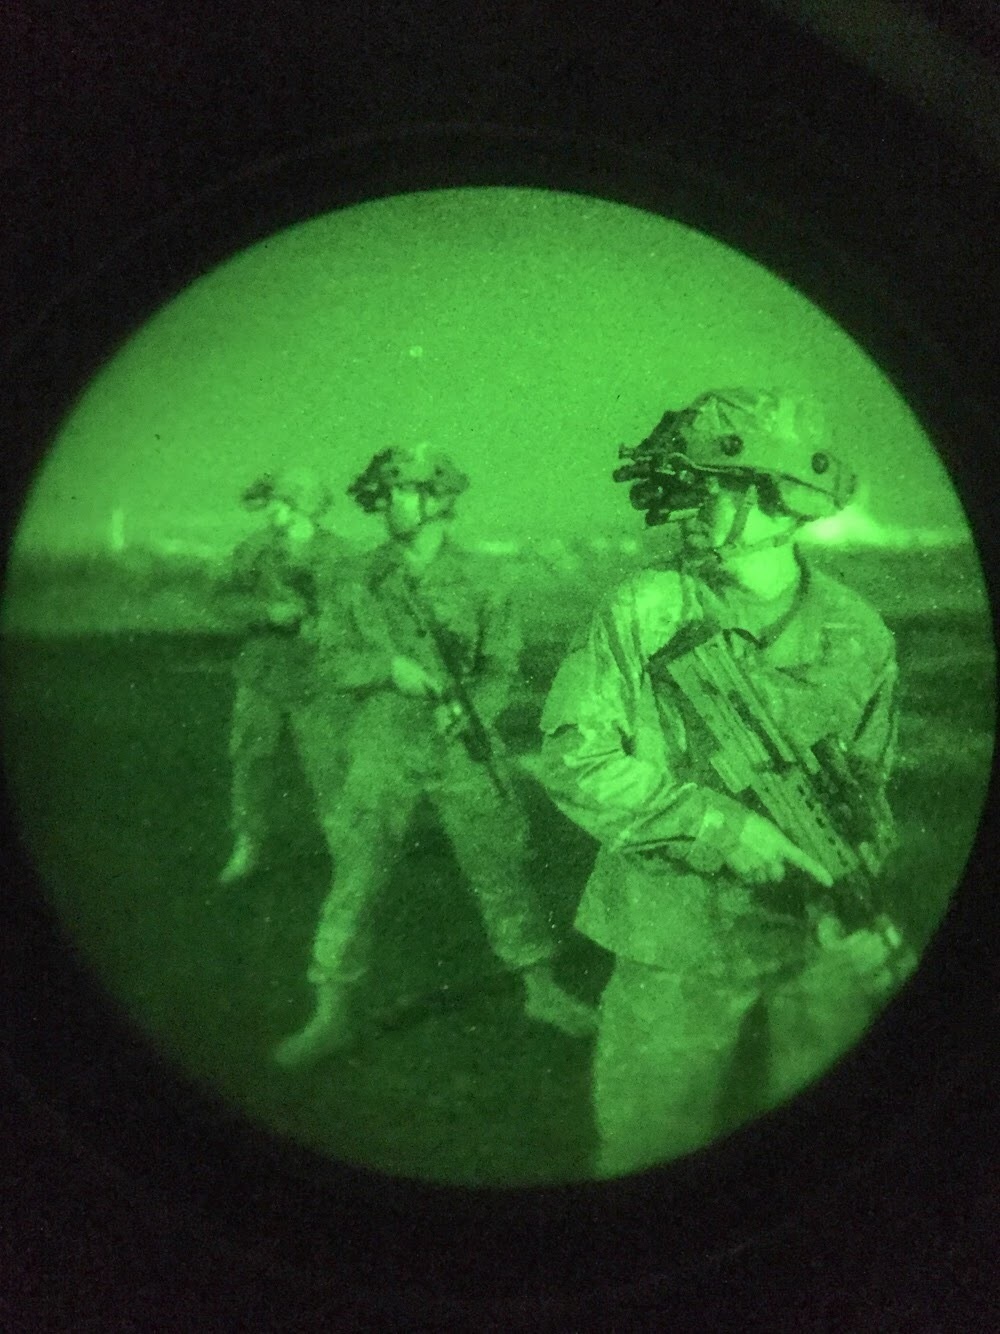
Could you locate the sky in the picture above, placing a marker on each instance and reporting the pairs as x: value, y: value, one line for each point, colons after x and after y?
x: 526, y: 332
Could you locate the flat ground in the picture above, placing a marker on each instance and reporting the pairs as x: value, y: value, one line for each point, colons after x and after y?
x: 116, y: 749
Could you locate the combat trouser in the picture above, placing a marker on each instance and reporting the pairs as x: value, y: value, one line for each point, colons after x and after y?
x: 368, y: 832
x: 666, y: 1045
x: 259, y: 722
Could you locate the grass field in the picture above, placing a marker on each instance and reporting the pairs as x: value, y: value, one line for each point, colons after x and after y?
x: 116, y: 750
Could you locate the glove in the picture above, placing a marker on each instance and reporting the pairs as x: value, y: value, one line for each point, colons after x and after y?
x: 877, y: 956
x: 450, y: 719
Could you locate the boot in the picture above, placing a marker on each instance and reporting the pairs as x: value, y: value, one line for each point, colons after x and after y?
x: 326, y: 1032
x: 243, y: 861
x: 546, y: 1001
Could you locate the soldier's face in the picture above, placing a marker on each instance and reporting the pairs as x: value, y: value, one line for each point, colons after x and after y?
x: 279, y: 514
x: 408, y: 510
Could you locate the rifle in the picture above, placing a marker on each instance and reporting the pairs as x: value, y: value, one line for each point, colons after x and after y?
x: 810, y: 792
x: 272, y: 573
x: 481, y: 745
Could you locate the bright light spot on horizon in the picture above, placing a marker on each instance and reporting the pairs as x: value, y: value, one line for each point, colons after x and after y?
x: 857, y: 527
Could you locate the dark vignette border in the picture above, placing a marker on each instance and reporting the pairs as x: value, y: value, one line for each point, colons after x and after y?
x: 201, y: 1171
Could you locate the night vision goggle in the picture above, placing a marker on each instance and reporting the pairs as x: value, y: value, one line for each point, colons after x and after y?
x: 669, y: 488
x: 666, y: 487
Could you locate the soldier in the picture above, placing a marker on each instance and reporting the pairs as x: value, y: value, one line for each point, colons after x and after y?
x: 278, y: 580
x: 417, y: 600
x: 699, y: 896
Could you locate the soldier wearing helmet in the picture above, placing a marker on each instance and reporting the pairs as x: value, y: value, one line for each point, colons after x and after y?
x: 408, y: 742
x: 686, y: 891
x: 278, y: 581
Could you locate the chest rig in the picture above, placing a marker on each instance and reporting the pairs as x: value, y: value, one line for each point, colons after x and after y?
x: 443, y: 604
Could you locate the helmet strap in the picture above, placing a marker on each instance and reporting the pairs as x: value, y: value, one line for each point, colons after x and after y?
x: 739, y: 524
x: 742, y: 514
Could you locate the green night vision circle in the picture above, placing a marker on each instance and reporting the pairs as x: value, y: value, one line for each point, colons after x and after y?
x: 450, y: 806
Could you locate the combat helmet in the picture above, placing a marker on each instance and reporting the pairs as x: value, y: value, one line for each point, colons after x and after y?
x: 770, y: 437
x: 300, y: 488
x: 420, y: 466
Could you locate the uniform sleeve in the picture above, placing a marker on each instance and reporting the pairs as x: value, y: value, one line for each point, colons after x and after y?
x: 316, y: 576
x: 241, y: 571
x: 876, y: 739
x: 871, y: 755
x: 499, y: 656
x: 235, y: 591
x: 592, y: 753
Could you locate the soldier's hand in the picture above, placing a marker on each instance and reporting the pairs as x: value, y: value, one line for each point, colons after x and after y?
x: 299, y: 532
x: 877, y: 956
x: 763, y: 852
x: 283, y: 613
x: 411, y: 679
x: 450, y: 719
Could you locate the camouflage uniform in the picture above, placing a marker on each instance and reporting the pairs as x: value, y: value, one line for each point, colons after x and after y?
x: 397, y: 754
x: 696, y: 948
x: 279, y: 677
